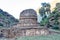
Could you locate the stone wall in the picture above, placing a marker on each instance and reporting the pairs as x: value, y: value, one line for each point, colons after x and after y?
x: 11, y: 33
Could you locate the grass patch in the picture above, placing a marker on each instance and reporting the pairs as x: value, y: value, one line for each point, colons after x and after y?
x: 48, y: 37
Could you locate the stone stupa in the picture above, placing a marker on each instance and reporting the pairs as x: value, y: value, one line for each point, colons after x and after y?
x: 28, y: 25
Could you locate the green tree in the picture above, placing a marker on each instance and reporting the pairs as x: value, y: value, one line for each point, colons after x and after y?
x: 55, y: 15
x: 44, y: 11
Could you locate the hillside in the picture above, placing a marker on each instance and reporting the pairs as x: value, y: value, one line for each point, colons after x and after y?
x: 7, y: 20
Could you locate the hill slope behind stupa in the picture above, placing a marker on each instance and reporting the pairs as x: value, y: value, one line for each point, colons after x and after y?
x: 7, y: 20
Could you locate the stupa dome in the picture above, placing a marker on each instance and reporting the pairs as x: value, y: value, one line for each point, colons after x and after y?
x: 28, y: 13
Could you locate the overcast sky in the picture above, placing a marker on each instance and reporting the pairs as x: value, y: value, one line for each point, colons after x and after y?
x: 14, y: 7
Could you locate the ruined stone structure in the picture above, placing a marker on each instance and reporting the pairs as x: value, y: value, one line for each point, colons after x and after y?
x: 27, y: 26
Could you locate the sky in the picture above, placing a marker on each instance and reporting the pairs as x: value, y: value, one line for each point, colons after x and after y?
x: 14, y: 7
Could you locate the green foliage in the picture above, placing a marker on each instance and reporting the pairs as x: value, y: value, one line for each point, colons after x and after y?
x: 7, y: 19
x: 55, y: 15
x: 45, y: 4
x: 1, y: 24
x: 43, y: 10
x: 44, y: 22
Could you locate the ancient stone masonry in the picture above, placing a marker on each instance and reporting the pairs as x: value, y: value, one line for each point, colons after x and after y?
x: 27, y: 26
